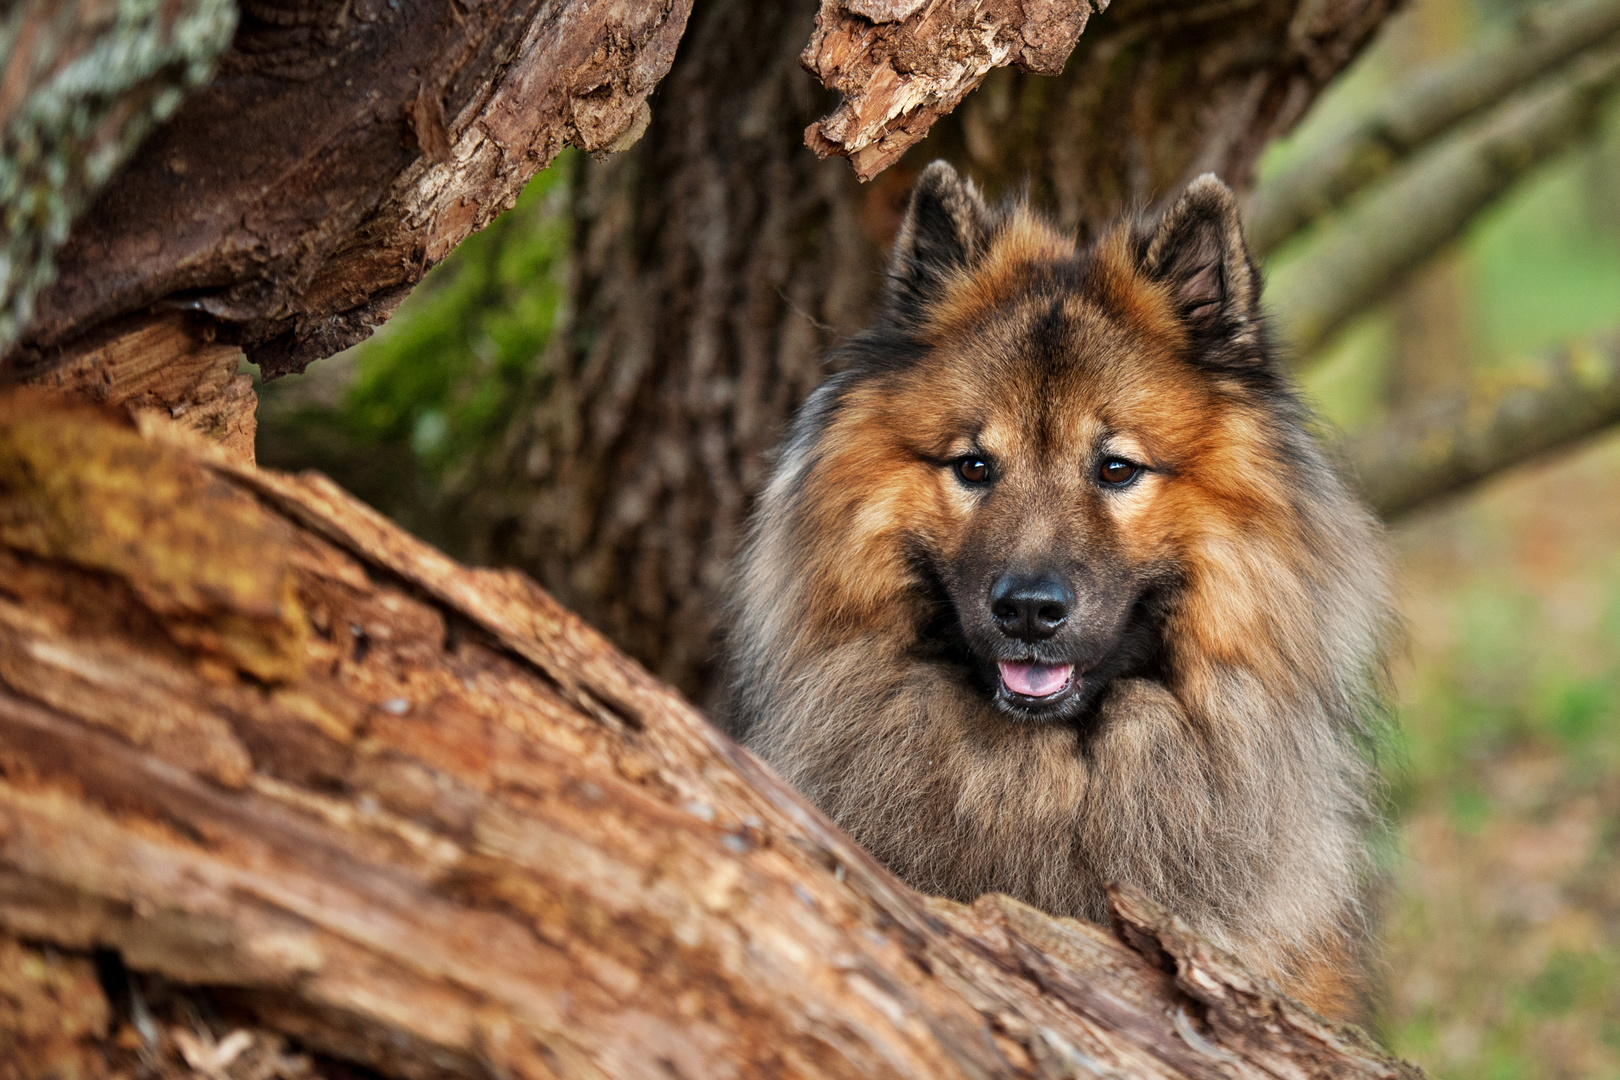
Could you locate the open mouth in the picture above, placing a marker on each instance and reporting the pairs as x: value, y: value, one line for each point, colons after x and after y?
x: 1029, y: 683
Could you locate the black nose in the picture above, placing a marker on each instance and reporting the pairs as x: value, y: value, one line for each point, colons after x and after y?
x: 1030, y: 607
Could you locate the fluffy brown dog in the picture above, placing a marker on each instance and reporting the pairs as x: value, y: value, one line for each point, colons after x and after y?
x: 1052, y: 587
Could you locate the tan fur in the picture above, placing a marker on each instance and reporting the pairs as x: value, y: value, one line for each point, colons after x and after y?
x: 1230, y: 786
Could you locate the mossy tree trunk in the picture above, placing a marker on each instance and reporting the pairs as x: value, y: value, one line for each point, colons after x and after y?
x: 341, y: 148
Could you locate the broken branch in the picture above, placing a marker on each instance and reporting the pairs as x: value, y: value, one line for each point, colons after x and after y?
x: 345, y: 148
x: 902, y: 64
x: 81, y: 84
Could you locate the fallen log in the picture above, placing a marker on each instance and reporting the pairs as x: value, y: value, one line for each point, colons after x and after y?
x: 259, y: 746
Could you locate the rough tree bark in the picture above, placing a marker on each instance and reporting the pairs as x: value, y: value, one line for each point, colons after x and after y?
x: 309, y: 777
x: 900, y: 65
x: 341, y: 150
x: 715, y: 264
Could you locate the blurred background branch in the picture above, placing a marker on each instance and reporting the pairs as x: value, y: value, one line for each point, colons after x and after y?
x: 1369, y: 249
x: 1497, y: 421
x: 1419, y: 109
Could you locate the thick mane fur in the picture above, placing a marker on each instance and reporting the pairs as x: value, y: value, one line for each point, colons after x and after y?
x: 1223, y: 767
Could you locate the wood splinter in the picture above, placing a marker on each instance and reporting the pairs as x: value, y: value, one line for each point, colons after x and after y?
x: 902, y: 64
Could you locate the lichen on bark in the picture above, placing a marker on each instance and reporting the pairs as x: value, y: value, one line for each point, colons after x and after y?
x: 83, y: 83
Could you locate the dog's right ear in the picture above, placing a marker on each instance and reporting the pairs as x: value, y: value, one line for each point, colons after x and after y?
x: 945, y: 229
x: 1197, y: 250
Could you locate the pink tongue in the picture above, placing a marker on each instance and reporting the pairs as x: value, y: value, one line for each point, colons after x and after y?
x: 1035, y: 680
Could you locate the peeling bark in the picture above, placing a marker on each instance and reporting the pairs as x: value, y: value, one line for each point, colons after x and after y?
x: 278, y: 754
x: 902, y: 64
x: 341, y: 150
x: 168, y: 367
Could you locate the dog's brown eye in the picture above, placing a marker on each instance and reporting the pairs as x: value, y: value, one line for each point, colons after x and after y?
x: 975, y: 470
x: 1116, y: 471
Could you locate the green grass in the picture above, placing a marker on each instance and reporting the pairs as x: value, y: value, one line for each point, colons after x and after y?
x: 1502, y: 946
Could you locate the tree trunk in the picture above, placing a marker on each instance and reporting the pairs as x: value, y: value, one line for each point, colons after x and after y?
x: 311, y: 779
x: 715, y: 263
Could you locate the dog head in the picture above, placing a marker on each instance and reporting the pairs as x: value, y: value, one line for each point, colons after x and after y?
x: 1037, y: 438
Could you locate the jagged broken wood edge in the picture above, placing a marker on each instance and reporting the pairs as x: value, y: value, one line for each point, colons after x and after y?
x: 902, y: 64
x: 342, y: 150
x: 488, y: 842
x: 1244, y: 1016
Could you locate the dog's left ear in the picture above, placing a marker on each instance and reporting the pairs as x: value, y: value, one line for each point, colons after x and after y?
x: 1197, y: 249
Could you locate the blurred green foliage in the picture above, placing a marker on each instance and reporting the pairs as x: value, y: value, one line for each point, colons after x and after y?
x: 444, y: 373
x: 1503, y: 930
x: 403, y: 415
x: 1546, y: 264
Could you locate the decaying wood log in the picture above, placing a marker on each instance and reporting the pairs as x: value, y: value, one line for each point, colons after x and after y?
x: 58, y: 1021
x: 170, y: 365
x: 902, y: 64
x: 263, y: 745
x: 343, y: 148
x: 52, y: 1013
